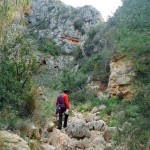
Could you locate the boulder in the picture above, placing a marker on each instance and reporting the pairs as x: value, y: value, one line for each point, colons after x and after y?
x: 60, y: 140
x: 9, y: 141
x: 90, y: 117
x: 78, y: 129
x: 99, y: 125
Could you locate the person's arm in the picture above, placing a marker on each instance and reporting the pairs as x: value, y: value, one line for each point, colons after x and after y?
x: 66, y: 102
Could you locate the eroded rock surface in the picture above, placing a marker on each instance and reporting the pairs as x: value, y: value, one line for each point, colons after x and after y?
x: 120, y: 78
x: 64, y: 24
x: 9, y: 141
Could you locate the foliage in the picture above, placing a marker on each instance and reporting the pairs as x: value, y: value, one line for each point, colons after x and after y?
x: 78, y: 24
x: 99, y: 39
x: 45, y: 108
x: 98, y: 65
x: 77, y: 53
x: 131, y: 24
x: 17, y: 66
x: 71, y: 81
x: 48, y: 46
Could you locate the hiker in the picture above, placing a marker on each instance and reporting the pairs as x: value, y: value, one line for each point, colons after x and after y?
x: 62, y: 107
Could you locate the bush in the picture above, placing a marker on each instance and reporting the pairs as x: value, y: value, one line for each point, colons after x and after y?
x: 48, y: 46
x: 78, y: 24
x: 99, y: 38
x: 17, y: 68
x: 71, y: 81
x: 77, y: 53
x: 98, y: 66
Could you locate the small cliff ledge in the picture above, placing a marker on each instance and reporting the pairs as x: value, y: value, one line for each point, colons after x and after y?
x: 64, y: 24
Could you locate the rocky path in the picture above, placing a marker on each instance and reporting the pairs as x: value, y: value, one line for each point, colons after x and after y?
x: 84, y: 132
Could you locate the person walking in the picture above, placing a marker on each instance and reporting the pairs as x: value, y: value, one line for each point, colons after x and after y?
x: 62, y: 107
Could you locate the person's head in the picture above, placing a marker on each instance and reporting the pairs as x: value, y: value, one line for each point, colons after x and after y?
x: 66, y: 91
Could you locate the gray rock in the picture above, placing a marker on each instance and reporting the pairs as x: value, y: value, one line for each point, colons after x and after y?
x: 53, y: 19
x: 97, y: 125
x: 78, y: 129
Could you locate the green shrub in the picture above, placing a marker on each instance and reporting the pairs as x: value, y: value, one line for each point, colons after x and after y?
x: 48, y: 46
x: 17, y: 67
x: 77, y: 53
x: 98, y: 66
x: 72, y: 81
x: 99, y: 39
x: 113, y: 121
x: 78, y: 24
x: 132, y: 111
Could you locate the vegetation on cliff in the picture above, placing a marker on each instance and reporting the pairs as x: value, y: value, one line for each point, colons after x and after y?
x: 126, y: 33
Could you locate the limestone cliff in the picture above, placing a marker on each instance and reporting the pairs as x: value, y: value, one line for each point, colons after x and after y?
x: 120, y: 78
x: 64, y: 24
x: 120, y: 82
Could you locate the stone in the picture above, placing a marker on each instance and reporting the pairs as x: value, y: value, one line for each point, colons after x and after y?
x: 78, y: 129
x: 44, y: 140
x: 60, y: 140
x: 96, y: 109
x: 50, y: 126
x: 99, y: 125
x: 47, y: 147
x: 12, y: 142
x: 90, y: 117
x: 40, y: 92
x: 108, y: 133
x: 109, y: 146
x: 98, y: 140
x: 33, y: 132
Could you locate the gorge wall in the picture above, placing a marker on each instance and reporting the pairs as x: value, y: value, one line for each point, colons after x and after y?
x: 64, y: 24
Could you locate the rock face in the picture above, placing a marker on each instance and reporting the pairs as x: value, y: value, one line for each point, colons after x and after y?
x: 62, y: 23
x: 120, y: 78
x: 53, y: 67
x: 12, y: 142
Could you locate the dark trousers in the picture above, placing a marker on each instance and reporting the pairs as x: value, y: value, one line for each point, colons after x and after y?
x: 61, y: 112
